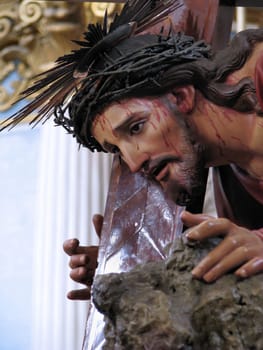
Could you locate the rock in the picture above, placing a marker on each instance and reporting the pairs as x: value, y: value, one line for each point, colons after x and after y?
x: 159, y: 306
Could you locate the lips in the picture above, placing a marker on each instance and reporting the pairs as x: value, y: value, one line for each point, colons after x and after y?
x: 158, y: 169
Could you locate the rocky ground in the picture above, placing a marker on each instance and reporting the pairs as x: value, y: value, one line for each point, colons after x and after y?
x: 159, y: 306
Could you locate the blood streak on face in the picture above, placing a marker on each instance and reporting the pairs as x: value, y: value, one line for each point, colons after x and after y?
x: 151, y: 139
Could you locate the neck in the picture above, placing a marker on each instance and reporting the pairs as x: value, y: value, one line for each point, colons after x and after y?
x: 228, y: 136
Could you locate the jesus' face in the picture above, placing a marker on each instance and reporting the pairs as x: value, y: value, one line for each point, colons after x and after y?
x: 151, y: 138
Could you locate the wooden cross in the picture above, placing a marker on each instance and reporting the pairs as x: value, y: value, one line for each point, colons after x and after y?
x: 232, y: 3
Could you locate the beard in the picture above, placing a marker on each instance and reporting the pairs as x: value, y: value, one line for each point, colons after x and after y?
x: 187, y: 180
x: 188, y: 174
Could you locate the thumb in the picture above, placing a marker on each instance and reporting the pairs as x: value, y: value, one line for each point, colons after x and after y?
x: 97, y: 222
x: 191, y: 220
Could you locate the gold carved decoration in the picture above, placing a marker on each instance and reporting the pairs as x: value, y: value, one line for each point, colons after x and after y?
x: 34, y: 33
x: 95, y: 11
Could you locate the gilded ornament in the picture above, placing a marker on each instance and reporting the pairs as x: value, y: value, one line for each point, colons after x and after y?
x: 32, y: 35
x: 30, y: 11
x: 98, y: 10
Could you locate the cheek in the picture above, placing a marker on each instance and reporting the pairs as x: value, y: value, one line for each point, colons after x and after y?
x: 161, y: 139
x: 166, y: 134
x: 168, y: 139
x: 158, y: 133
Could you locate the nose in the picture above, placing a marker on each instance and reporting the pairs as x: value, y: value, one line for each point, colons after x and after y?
x: 135, y: 159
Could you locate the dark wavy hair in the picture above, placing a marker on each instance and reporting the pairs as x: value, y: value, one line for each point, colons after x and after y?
x: 150, y: 65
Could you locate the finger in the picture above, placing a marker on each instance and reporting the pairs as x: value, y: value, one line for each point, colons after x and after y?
x: 190, y: 219
x: 70, y: 246
x: 229, y: 262
x: 210, y: 228
x: 78, y: 260
x: 251, y: 268
x: 97, y: 222
x: 78, y: 274
x: 79, y: 294
x: 236, y: 258
x: 89, y: 259
x: 214, y: 257
x: 82, y: 275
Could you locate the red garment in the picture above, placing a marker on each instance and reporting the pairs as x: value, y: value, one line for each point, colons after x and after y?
x: 238, y: 197
x: 253, y: 186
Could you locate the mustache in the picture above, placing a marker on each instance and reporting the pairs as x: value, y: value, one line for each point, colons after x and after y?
x: 152, y: 168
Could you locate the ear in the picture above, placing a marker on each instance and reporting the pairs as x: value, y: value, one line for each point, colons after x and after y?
x: 185, y: 98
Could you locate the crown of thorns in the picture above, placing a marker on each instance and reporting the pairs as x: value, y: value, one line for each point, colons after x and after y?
x: 140, y: 72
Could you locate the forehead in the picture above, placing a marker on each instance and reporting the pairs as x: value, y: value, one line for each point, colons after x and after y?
x: 118, y: 112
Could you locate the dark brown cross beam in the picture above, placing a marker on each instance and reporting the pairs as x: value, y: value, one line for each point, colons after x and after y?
x: 139, y: 221
x: 242, y: 3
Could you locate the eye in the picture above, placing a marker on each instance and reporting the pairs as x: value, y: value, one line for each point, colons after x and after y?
x: 114, y: 149
x: 110, y: 148
x: 136, y: 128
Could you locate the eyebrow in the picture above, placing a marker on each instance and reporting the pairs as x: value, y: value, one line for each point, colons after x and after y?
x: 128, y: 120
x: 122, y: 126
x: 129, y: 117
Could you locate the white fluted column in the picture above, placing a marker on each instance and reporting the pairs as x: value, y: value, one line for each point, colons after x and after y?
x: 240, y: 18
x: 73, y: 185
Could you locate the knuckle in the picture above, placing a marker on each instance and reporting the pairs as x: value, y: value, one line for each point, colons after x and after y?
x: 84, y: 259
x: 72, y: 263
x: 223, y: 223
x: 227, y: 223
x: 233, y: 241
x: 245, y: 250
x: 208, y: 223
x: 82, y: 271
x: 72, y: 274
